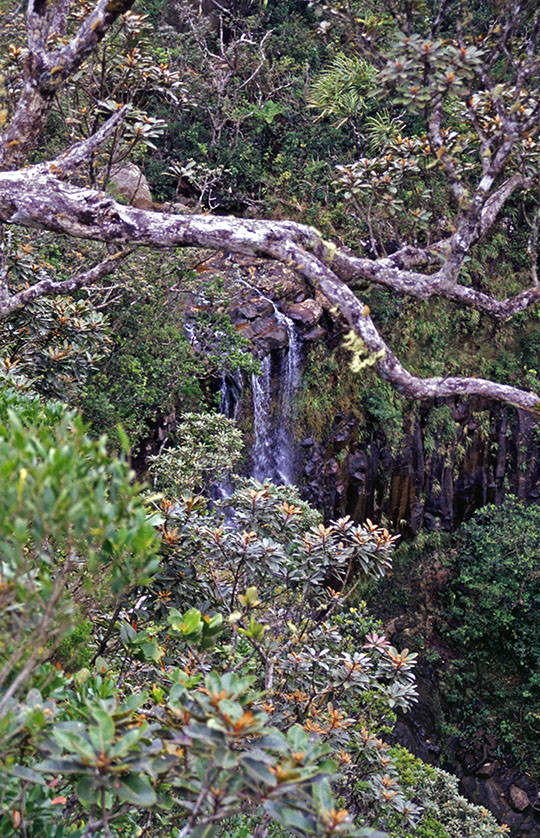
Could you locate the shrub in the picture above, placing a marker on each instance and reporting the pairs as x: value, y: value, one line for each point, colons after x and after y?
x: 446, y: 813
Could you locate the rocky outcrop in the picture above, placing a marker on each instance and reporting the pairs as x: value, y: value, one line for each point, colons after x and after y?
x: 307, y: 314
x: 486, y: 778
x: 427, y: 482
x: 252, y: 309
x: 508, y: 794
x: 131, y: 186
x: 436, y: 477
x: 519, y: 799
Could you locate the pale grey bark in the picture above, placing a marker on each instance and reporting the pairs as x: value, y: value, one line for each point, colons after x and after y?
x: 79, y: 154
x: 41, y: 197
x: 45, y: 71
x: 49, y: 287
x: 35, y: 197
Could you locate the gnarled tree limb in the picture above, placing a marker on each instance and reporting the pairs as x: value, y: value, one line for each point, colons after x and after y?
x: 46, y: 71
x: 79, y: 154
x: 36, y: 198
x: 39, y: 197
x: 49, y: 287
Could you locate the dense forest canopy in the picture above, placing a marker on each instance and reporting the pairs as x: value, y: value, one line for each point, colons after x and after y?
x: 472, y: 98
x: 174, y: 663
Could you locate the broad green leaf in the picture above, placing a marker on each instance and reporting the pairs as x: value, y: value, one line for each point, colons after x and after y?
x: 214, y: 625
x: 128, y: 741
x: 28, y: 774
x: 60, y: 766
x: 174, y: 619
x: 74, y: 742
x: 102, y: 733
x: 225, y: 758
x: 135, y: 789
x: 298, y: 738
x: 259, y: 772
x: 152, y: 651
x: 274, y: 740
x: 289, y: 817
x: 87, y: 791
x: 191, y: 621
x: 131, y: 704
x: 323, y: 794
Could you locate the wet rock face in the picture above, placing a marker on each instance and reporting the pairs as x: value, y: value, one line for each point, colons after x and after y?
x: 502, y: 788
x: 264, y: 333
x: 252, y: 308
x: 485, y: 779
x: 507, y: 794
x: 307, y: 313
x: 418, y: 485
x: 519, y: 799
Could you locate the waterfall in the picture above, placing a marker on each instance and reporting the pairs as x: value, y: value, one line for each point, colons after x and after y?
x: 231, y: 394
x: 273, y: 449
x: 273, y: 453
x: 285, y: 454
x: 263, y: 443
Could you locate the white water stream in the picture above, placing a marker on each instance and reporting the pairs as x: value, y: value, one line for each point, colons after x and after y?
x: 273, y: 453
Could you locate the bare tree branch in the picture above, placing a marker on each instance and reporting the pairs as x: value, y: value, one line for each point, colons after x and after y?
x: 73, y: 158
x: 45, y: 72
x: 40, y: 197
x: 48, y: 287
x: 497, y: 199
x: 4, y: 288
x: 35, y: 198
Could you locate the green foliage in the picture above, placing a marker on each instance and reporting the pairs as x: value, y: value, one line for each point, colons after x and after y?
x: 341, y: 90
x: 72, y: 526
x: 241, y: 676
x: 480, y: 584
x: 496, y: 594
x: 247, y: 134
x: 208, y: 446
x: 150, y: 371
x: 106, y: 743
x: 250, y: 689
x: 441, y: 432
x: 276, y: 571
x: 75, y: 650
x: 56, y: 343
x: 330, y: 389
x: 446, y: 813
x: 492, y: 615
x: 233, y: 705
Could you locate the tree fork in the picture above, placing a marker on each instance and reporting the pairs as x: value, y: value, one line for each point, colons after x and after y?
x: 36, y: 198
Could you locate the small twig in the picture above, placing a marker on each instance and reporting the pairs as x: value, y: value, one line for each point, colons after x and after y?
x: 106, y: 636
x: 104, y: 817
x: 532, y: 245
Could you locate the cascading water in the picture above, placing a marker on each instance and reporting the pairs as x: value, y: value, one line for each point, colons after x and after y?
x: 231, y: 394
x: 273, y: 398
x: 263, y: 444
x: 285, y: 455
x: 273, y: 454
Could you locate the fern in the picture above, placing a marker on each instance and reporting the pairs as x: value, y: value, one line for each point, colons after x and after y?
x: 382, y: 130
x: 341, y: 91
